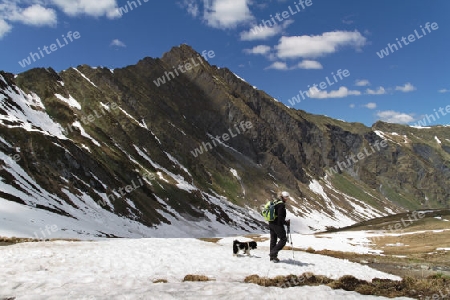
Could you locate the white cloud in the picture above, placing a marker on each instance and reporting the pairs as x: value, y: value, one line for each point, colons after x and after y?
x: 117, y: 43
x: 4, y: 28
x: 379, y: 91
x: 35, y: 15
x: 319, y: 45
x: 391, y: 116
x: 260, y: 49
x: 227, y: 13
x: 91, y: 8
x: 191, y: 7
x: 37, y: 12
x: 362, y: 82
x: 371, y: 105
x: 263, y: 32
x: 278, y: 65
x: 342, y: 92
x: 408, y: 87
x: 260, y: 33
x: 352, y: 105
x: 440, y: 91
x: 310, y: 64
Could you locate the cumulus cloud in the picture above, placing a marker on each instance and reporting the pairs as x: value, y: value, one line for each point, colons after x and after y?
x: 408, y: 87
x: 371, y: 105
x: 4, y: 28
x: 342, y: 92
x: 192, y: 7
x: 442, y: 91
x: 38, y: 12
x: 35, y: 15
x: 278, y: 65
x: 310, y: 64
x: 260, y: 49
x: 379, y: 91
x: 391, y: 116
x: 227, y: 13
x: 263, y: 32
x: 319, y: 45
x: 362, y: 82
x: 91, y: 8
x: 117, y: 43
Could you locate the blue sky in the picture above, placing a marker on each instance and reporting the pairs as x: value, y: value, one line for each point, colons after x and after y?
x: 304, y: 44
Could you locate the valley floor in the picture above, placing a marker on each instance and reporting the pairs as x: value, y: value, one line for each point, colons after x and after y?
x: 129, y: 268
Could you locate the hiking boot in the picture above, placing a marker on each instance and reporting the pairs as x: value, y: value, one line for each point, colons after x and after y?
x: 274, y: 259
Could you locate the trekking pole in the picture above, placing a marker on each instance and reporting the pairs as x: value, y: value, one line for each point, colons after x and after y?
x: 290, y: 238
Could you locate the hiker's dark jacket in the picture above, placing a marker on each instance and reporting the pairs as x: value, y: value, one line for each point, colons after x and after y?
x: 280, y: 210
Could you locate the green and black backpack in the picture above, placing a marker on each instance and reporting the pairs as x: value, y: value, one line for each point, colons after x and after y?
x: 268, y: 210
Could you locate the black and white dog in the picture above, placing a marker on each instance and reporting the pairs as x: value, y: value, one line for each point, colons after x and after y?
x: 244, y: 246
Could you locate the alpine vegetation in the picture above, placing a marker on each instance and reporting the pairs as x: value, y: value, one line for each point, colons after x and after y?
x: 49, y: 49
x: 187, y: 67
x: 122, y: 191
x: 92, y: 117
x: 353, y: 159
x: 411, y: 38
x: 401, y: 225
x: 243, y: 126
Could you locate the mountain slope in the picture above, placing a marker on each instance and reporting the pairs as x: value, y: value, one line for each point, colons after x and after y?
x: 198, y: 155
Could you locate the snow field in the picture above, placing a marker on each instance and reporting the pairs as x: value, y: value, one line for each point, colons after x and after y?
x: 126, y: 269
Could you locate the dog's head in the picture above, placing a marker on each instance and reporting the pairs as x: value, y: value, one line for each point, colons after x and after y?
x: 252, y: 245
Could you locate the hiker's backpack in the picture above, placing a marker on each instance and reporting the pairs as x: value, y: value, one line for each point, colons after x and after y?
x: 268, y: 210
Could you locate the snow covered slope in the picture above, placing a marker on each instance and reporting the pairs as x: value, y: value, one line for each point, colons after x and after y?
x: 126, y: 269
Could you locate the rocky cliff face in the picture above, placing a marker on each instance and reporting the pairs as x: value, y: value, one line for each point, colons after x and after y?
x: 200, y: 152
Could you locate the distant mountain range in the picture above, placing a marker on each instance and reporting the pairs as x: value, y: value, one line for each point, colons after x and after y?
x: 111, y: 153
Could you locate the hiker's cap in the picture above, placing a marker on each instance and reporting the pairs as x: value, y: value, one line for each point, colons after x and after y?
x: 285, y: 194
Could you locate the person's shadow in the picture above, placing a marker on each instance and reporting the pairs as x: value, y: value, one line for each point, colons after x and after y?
x: 295, y: 262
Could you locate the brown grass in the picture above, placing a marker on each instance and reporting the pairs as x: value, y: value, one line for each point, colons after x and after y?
x: 310, y: 250
x: 407, y: 287
x: 210, y: 240
x: 257, y: 237
x: 191, y: 277
x: 413, y: 243
x: 253, y: 237
x: 5, y: 241
x: 160, y: 281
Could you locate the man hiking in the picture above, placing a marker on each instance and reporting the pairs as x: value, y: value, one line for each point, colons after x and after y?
x: 276, y: 226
